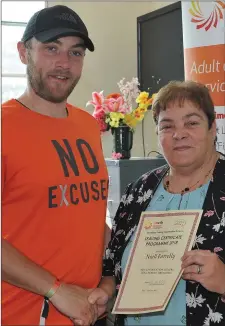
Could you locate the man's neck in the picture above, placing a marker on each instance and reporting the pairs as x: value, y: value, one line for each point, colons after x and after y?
x: 37, y: 104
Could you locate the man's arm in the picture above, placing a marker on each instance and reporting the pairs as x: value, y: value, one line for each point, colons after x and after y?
x: 70, y: 300
x: 22, y: 272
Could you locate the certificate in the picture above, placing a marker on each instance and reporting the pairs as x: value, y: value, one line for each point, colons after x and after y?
x: 154, y: 265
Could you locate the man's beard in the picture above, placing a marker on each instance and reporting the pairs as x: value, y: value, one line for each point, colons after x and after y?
x: 41, y: 88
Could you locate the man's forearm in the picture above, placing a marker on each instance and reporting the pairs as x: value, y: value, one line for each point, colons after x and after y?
x: 22, y: 272
x: 108, y: 284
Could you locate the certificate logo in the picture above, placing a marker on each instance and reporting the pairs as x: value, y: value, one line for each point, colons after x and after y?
x: 147, y: 224
x: 180, y: 223
x: 152, y: 225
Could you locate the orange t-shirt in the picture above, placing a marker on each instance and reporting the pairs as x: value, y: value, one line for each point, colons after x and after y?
x: 54, y: 195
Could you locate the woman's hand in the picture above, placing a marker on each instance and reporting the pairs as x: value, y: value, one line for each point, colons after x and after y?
x: 206, y: 268
x: 98, y: 299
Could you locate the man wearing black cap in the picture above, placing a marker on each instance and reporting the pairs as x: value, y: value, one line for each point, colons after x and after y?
x: 54, y: 184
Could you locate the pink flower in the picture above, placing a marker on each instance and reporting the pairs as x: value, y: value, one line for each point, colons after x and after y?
x: 99, y: 114
x: 222, y: 198
x: 116, y: 156
x: 100, y: 117
x: 217, y: 249
x: 209, y: 213
x: 99, y: 102
x: 103, y: 126
x: 116, y: 105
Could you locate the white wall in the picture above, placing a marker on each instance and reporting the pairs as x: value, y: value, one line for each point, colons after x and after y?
x: 113, y: 29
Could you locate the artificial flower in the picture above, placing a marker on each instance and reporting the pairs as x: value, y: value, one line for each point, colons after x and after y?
x: 100, y: 117
x: 113, y: 95
x: 126, y: 108
x: 142, y: 97
x: 99, y: 102
x: 114, y: 119
x: 116, y: 105
x: 138, y: 114
x: 116, y: 156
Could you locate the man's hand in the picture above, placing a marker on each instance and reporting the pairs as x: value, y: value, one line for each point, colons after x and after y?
x: 72, y: 301
x: 204, y: 267
x: 100, y: 297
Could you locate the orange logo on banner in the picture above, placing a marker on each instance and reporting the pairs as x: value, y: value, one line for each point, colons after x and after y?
x: 206, y: 65
x: 212, y: 18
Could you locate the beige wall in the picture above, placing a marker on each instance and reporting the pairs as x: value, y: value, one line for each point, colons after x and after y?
x: 113, y: 28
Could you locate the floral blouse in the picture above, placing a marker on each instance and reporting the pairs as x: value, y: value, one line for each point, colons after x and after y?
x: 203, y: 308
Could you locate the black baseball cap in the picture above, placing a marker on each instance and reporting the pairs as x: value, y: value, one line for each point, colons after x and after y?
x: 54, y: 22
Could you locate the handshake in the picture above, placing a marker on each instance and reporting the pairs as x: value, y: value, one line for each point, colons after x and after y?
x: 82, y: 306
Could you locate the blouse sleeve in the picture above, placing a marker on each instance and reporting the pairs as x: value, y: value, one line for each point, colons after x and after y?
x: 118, y: 228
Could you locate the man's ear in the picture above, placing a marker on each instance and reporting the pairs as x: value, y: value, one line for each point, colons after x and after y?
x: 22, y: 52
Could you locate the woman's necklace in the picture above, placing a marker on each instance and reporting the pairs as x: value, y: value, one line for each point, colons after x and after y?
x: 188, y: 188
x: 193, y: 186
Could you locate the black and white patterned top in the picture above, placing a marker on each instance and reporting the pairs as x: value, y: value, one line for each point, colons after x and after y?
x: 203, y: 308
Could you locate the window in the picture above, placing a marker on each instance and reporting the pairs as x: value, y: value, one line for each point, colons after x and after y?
x: 15, y: 15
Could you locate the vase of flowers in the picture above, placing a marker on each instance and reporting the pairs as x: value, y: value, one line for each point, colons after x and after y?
x: 121, y: 112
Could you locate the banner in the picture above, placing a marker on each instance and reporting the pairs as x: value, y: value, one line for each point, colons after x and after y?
x: 204, y: 53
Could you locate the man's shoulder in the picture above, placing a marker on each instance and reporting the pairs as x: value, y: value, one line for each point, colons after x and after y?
x: 85, y: 116
x: 9, y: 110
x: 81, y: 111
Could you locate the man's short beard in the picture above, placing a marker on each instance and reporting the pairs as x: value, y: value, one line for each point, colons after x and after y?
x: 37, y: 84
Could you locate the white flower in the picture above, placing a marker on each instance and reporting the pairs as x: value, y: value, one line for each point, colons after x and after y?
x: 207, y: 322
x: 130, y: 232
x: 215, y: 317
x: 199, y: 239
x: 117, y: 269
x: 126, y: 199
x: 130, y: 91
x: 145, y: 196
x: 145, y: 176
x: 129, y: 199
x: 222, y: 222
x: 109, y: 254
x: 216, y: 227
x: 123, y: 199
x: 119, y: 232
x: 193, y: 301
x: 113, y: 225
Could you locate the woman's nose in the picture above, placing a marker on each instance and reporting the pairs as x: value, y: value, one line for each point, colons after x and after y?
x: 180, y: 133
